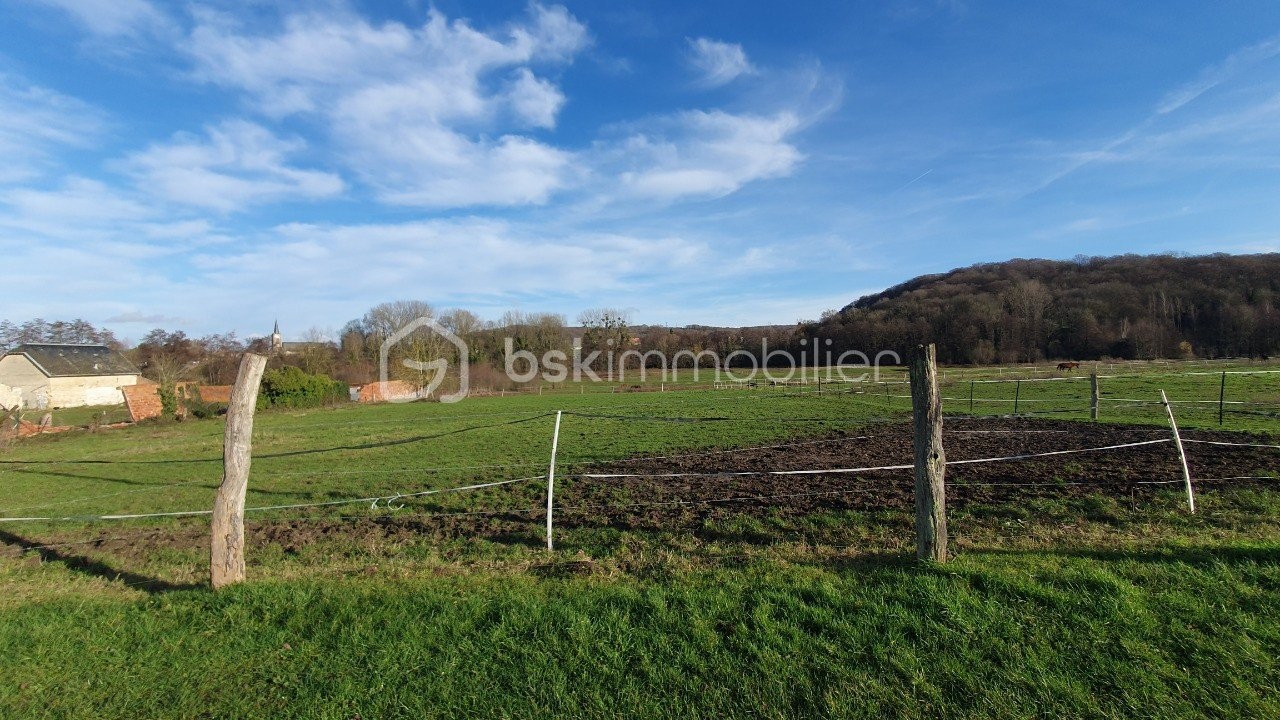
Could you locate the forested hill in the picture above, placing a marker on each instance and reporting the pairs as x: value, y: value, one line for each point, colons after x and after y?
x: 1026, y: 310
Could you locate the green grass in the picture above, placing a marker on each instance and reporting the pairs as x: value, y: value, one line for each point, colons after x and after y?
x: 1081, y: 606
x: 1183, y: 632
x: 81, y: 416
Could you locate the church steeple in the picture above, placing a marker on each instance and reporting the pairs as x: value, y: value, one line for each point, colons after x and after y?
x: 277, y: 342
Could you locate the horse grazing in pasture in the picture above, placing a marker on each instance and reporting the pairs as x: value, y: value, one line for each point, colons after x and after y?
x: 1068, y: 365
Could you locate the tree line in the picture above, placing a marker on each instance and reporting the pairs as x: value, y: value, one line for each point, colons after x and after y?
x: 1125, y: 307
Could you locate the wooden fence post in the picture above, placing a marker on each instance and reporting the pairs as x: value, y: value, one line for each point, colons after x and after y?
x: 226, y: 560
x: 930, y: 460
x: 1094, y: 396
x: 1017, y: 393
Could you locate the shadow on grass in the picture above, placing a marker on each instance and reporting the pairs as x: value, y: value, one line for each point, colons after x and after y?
x: 1199, y: 556
x: 210, y: 485
x: 94, y: 568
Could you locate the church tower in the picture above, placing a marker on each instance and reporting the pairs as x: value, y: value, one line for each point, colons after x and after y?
x: 277, y: 342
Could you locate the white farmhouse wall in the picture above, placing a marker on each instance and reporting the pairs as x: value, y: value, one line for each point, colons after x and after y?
x: 19, y: 373
x: 9, y: 397
x: 95, y: 390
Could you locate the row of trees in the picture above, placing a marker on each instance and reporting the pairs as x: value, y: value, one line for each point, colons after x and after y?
x: 40, y: 331
x: 1016, y: 311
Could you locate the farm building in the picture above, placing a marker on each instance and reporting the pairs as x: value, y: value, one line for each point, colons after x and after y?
x: 55, y: 375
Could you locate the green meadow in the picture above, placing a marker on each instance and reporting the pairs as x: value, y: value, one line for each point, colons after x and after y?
x: 1079, y: 605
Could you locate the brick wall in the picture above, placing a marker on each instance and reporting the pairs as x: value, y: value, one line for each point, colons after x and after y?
x: 143, y: 401
x: 397, y: 389
x: 215, y: 393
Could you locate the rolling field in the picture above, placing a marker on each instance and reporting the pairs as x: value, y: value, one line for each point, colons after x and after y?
x: 687, y: 584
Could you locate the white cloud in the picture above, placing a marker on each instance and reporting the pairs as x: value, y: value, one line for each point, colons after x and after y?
x: 454, y: 258
x: 710, y: 154
x: 35, y: 122
x: 429, y: 115
x: 237, y: 165
x: 81, y: 207
x: 718, y: 63
x: 114, y: 18
x: 88, y: 214
x: 442, y: 115
x: 534, y: 100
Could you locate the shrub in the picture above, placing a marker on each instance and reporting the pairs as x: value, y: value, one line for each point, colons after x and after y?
x: 168, y: 399
x: 290, y: 387
x: 197, y: 406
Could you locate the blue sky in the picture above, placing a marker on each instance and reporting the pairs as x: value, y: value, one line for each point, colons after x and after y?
x: 210, y: 166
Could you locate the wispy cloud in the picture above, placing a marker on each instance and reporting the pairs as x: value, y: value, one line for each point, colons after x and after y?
x: 36, y: 122
x: 237, y: 164
x: 1219, y: 73
x: 115, y: 18
x: 1210, y: 132
x: 708, y: 154
x: 718, y: 63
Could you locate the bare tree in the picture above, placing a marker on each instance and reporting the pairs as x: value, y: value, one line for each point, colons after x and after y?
x: 605, y: 330
x: 318, y: 352
x: 382, y: 321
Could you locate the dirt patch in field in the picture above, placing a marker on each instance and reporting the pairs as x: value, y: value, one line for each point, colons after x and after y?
x: 688, y: 498
x: 692, y: 491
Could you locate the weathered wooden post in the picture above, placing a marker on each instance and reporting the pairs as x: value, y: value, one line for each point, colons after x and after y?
x: 930, y: 460
x: 1094, y: 396
x: 1017, y: 393
x: 226, y: 563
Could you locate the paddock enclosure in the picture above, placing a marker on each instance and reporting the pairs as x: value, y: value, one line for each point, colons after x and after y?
x: 690, y: 473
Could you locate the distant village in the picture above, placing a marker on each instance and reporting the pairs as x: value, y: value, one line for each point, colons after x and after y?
x: 43, y: 376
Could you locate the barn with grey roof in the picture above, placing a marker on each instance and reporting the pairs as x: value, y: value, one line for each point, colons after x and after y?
x: 52, y: 375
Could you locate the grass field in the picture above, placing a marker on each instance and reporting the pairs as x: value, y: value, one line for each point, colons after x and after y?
x: 1071, y: 605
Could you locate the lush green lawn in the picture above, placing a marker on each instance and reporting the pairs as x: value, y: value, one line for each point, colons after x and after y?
x: 1078, y: 606
x: 1188, y: 631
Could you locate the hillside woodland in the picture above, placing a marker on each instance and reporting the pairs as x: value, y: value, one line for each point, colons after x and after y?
x: 1128, y: 307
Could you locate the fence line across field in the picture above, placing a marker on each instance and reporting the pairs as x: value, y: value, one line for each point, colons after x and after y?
x: 1232, y: 444
x: 459, y: 468
x: 308, y: 474
x: 373, y: 500
x: 878, y: 468
x: 90, y: 498
x: 387, y: 499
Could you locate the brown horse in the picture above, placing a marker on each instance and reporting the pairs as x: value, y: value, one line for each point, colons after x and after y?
x: 1068, y: 365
